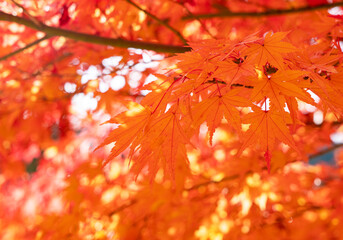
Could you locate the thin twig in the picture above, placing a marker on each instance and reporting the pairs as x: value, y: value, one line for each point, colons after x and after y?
x: 52, y: 62
x: 325, y: 151
x: 123, y: 207
x: 24, y: 48
x: 114, y: 42
x: 33, y: 19
x: 271, y: 12
x: 199, y: 20
x: 164, y: 23
x: 228, y: 178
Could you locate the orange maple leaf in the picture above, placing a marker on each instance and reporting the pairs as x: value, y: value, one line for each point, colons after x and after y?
x: 278, y: 87
x: 231, y: 71
x: 164, y: 139
x: 270, y: 49
x: 132, y: 124
x: 212, y: 110
x: 265, y: 128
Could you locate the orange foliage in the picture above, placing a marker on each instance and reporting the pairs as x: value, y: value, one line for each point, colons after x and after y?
x: 183, y: 119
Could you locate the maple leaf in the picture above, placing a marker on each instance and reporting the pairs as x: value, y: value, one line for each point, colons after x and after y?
x: 310, y: 59
x: 329, y: 94
x: 212, y: 110
x: 292, y: 105
x: 265, y: 127
x: 278, y: 87
x: 160, y: 94
x: 270, y: 49
x: 132, y: 124
x: 315, y: 64
x: 336, y: 80
x: 233, y: 70
x: 165, y: 138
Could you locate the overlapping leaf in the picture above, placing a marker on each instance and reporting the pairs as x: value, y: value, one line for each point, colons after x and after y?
x: 271, y: 49
x: 132, y: 124
x: 278, y: 87
x: 265, y: 128
x: 164, y: 139
x: 212, y: 110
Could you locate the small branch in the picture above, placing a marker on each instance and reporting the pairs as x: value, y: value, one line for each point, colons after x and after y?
x: 55, y: 60
x: 228, y: 178
x: 123, y: 207
x: 24, y: 48
x: 271, y: 12
x: 176, y: 32
x: 199, y: 20
x: 33, y: 19
x: 325, y: 151
x: 83, y: 37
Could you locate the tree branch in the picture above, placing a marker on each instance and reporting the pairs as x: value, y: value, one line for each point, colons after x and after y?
x: 271, y: 12
x: 122, y: 43
x: 325, y: 151
x: 114, y: 42
x: 164, y: 23
x: 123, y: 207
x: 24, y: 48
x: 227, y: 178
x: 199, y: 20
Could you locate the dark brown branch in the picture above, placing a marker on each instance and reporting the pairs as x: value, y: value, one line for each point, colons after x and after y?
x: 271, y: 12
x: 122, y: 43
x: 24, y: 48
x: 164, y: 23
x: 114, y: 42
x: 325, y: 151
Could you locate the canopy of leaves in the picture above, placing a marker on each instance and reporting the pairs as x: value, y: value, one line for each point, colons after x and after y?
x: 171, y: 119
